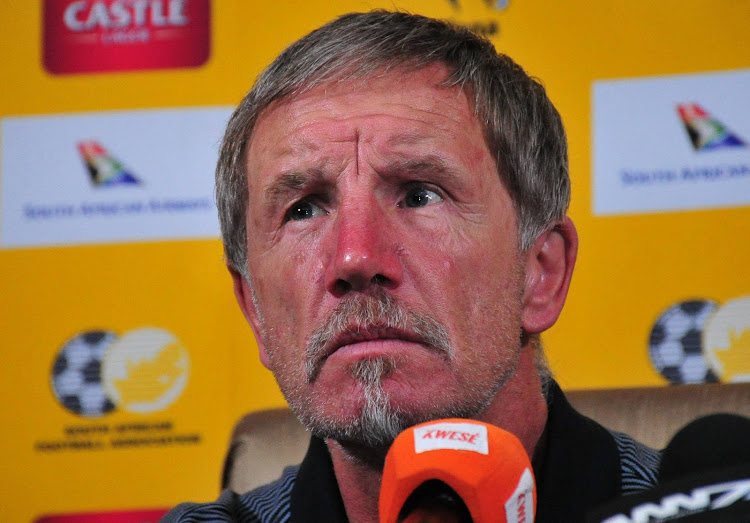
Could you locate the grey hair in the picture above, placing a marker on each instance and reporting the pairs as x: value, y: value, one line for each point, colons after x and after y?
x: 522, y: 128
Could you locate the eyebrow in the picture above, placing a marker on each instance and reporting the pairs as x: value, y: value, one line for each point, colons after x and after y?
x: 291, y: 182
x: 431, y: 166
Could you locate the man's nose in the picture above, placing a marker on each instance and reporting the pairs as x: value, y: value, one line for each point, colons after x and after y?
x: 366, y: 252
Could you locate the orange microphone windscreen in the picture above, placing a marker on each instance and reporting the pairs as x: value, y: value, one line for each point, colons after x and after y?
x: 486, y: 466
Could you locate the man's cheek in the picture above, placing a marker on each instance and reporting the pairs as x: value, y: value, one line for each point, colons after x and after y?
x: 288, y: 286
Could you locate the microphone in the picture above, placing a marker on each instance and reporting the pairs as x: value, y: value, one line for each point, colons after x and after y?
x: 706, y: 444
x: 704, y: 476
x: 457, y: 470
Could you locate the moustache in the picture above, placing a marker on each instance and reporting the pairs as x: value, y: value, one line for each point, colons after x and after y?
x: 372, y: 316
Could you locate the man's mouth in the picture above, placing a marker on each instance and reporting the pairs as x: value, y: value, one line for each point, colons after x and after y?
x: 371, y: 326
x: 359, y: 341
x: 371, y: 333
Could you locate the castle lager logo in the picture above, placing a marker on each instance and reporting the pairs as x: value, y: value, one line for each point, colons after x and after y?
x: 123, y: 35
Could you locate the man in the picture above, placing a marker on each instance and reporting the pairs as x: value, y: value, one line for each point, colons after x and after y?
x: 392, y: 194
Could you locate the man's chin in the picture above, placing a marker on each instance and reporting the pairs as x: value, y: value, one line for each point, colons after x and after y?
x: 366, y: 438
x: 373, y: 425
x: 376, y: 409
x: 367, y: 435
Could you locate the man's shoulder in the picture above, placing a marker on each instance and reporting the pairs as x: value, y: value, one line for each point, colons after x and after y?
x: 624, y: 460
x: 223, y: 509
x: 268, y: 503
x: 639, y: 464
x: 583, y: 465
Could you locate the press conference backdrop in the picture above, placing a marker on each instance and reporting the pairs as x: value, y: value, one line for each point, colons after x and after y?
x: 125, y: 359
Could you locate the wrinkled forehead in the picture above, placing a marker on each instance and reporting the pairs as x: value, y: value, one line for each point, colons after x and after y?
x: 395, y: 105
x: 426, y: 91
x: 356, y: 77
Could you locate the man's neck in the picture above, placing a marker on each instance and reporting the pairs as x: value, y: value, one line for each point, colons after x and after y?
x: 519, y: 408
x: 359, y: 484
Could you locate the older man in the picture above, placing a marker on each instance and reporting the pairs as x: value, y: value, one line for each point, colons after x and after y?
x: 392, y: 194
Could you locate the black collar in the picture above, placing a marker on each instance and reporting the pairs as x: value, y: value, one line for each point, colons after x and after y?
x: 315, y: 495
x: 578, y: 468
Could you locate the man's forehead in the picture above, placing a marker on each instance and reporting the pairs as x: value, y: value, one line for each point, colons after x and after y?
x: 300, y: 123
x: 431, y: 78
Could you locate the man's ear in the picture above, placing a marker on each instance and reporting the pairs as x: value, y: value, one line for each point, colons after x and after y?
x: 245, y: 299
x: 549, y: 269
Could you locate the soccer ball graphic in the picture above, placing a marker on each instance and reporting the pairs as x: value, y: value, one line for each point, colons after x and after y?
x: 76, y: 374
x: 676, y: 346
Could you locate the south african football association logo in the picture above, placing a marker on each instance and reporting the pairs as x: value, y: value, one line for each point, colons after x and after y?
x: 702, y: 341
x: 96, y: 372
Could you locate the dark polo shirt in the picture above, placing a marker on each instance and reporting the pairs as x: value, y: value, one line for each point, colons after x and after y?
x: 578, y: 465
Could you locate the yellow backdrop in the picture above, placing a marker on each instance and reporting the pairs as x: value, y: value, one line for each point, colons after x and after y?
x: 631, y: 267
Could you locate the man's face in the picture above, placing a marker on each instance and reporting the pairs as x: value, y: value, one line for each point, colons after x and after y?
x: 382, y: 249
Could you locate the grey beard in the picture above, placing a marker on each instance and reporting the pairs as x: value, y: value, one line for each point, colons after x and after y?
x: 368, y: 436
x: 378, y: 423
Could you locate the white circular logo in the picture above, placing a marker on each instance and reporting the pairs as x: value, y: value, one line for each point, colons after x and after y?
x: 145, y: 370
x: 726, y: 341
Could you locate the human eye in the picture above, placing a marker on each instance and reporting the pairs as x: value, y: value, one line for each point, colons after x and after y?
x: 303, y: 210
x: 419, y: 196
